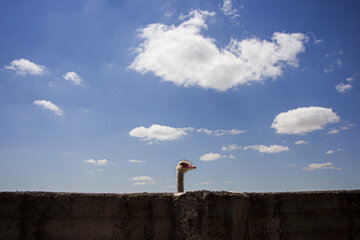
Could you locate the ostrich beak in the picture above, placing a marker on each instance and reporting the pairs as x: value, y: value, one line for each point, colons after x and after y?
x: 191, y: 167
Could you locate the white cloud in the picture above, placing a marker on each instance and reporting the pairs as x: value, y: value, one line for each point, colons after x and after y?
x: 220, y: 132
x: 229, y: 182
x: 231, y: 147
x: 268, y: 149
x: 230, y: 156
x: 320, y: 166
x: 350, y: 79
x: 330, y: 152
x: 142, y: 180
x: 303, y: 120
x: 206, y: 183
x: 301, y: 142
x: 23, y: 66
x: 204, y: 130
x: 342, y: 87
x: 100, y: 162
x: 227, y: 9
x: 182, y: 55
x: 334, y: 131
x: 73, y: 77
x: 49, y: 106
x: 159, y: 133
x: 208, y: 157
x: 136, y: 161
x: 316, y: 41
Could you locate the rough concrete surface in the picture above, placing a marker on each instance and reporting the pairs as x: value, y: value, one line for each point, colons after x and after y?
x: 192, y: 215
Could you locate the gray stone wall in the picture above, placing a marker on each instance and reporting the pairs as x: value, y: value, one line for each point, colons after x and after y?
x: 192, y: 215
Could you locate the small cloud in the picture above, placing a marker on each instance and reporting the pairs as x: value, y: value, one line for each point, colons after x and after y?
x: 23, y: 66
x: 51, y: 84
x: 320, y: 166
x: 230, y: 156
x: 169, y: 14
x: 204, y: 130
x: 220, y: 132
x: 156, y: 133
x: 142, y: 180
x: 136, y: 161
x: 301, y: 142
x: 334, y: 131
x: 304, y: 120
x: 342, y: 87
x: 268, y: 149
x: 231, y: 147
x: 316, y: 41
x: 100, y: 162
x: 206, y: 183
x: 171, y: 186
x: 208, y: 157
x: 49, y: 106
x: 227, y: 9
x: 73, y: 77
x: 291, y: 165
x: 229, y: 182
x: 330, y: 152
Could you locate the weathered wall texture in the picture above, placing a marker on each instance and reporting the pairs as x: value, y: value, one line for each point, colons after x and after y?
x: 193, y: 215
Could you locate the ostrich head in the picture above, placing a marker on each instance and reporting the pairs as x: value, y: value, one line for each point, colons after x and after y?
x: 182, y: 167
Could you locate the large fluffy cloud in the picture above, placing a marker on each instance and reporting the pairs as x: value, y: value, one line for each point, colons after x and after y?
x: 159, y: 133
x: 49, y: 106
x: 182, y: 55
x: 23, y: 66
x: 303, y: 120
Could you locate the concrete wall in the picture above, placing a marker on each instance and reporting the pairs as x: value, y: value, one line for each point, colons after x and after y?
x: 193, y: 215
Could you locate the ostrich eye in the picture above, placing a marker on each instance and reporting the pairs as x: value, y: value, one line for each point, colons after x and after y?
x: 183, y: 164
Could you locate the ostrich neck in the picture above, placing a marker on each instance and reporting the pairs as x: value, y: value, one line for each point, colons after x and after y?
x: 180, y: 181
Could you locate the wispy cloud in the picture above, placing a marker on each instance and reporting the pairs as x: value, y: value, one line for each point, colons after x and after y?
x: 49, y: 106
x: 23, y: 66
x: 100, y: 162
x: 320, y: 166
x: 316, y: 40
x: 73, y: 77
x: 303, y: 120
x: 220, y: 132
x: 231, y: 147
x: 168, y: 52
x: 301, y: 142
x: 142, y: 180
x: 228, y: 9
x: 136, y: 161
x: 206, y: 183
x: 268, y: 149
x: 330, y: 152
x: 347, y: 126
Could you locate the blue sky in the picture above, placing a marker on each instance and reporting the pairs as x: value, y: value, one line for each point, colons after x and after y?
x: 107, y: 96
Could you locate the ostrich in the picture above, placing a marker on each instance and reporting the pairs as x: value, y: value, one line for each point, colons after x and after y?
x: 182, y: 167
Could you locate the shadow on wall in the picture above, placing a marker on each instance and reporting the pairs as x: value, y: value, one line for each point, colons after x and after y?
x: 191, y: 215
